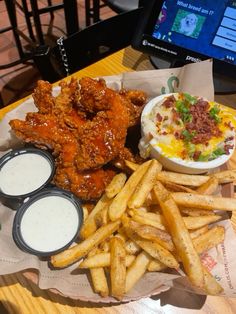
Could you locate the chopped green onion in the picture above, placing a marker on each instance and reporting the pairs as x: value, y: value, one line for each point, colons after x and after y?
x: 203, y: 157
x: 187, y: 135
x: 190, y: 148
x: 217, y: 152
x: 191, y: 99
x: 214, y: 113
x: 181, y: 107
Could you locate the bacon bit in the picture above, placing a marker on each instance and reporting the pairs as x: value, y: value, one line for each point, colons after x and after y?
x: 184, y: 154
x: 159, y: 117
x: 169, y: 102
x: 196, y: 155
x: 202, y: 123
x: 165, y: 118
x: 227, y: 147
x: 175, y: 115
x: 177, y: 135
x: 228, y: 139
x: 164, y: 133
x: 229, y: 125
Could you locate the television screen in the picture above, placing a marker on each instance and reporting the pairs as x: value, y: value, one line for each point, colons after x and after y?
x: 190, y: 31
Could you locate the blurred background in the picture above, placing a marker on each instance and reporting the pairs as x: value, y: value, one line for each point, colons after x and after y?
x: 19, y: 80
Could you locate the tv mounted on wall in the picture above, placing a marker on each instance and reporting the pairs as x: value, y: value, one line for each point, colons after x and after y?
x: 177, y: 32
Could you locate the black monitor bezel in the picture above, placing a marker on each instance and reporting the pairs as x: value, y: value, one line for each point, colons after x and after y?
x: 144, y: 30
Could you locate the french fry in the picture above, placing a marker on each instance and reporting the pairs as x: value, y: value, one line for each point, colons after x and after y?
x: 145, y: 185
x: 209, y: 187
x: 158, y: 221
x: 154, y: 249
x: 154, y: 234
x: 85, y: 212
x: 101, y: 218
x: 115, y: 185
x: 182, y: 179
x: 96, y: 260
x: 99, y: 279
x: 117, y: 268
x: 198, y: 222
x: 131, y: 247
x: 119, y: 203
x: 156, y: 265
x: 136, y: 270
x: 103, y: 260
x: 197, y: 232
x: 150, y: 220
x: 226, y: 176
x: 174, y: 187
x: 195, y: 212
x: 204, y: 201
x: 212, y: 287
x: 122, y: 237
x: 74, y: 253
x: 89, y: 226
x: 158, y: 252
x: 149, y: 215
x: 129, y: 260
x: 131, y: 165
x: 150, y: 200
x: 209, y: 239
x: 105, y: 246
x: 121, y: 233
x: 180, y: 236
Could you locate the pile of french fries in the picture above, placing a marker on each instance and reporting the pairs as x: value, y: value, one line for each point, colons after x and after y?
x: 149, y: 222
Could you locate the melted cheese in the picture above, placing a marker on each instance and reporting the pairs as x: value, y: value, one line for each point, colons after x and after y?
x: 173, y: 149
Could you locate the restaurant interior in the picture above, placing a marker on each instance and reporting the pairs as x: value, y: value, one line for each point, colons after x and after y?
x: 17, y: 81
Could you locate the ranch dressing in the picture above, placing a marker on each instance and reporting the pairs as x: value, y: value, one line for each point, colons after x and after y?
x: 49, y: 223
x: 24, y: 173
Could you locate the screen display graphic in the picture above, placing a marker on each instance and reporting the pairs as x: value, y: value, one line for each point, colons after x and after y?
x: 206, y: 26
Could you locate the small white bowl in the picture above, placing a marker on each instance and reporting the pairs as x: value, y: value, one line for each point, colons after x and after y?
x: 172, y: 163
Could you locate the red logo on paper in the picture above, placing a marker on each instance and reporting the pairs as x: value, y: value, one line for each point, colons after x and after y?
x: 208, y: 261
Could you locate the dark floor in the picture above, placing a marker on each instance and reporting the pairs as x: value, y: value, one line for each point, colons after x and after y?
x: 18, y: 81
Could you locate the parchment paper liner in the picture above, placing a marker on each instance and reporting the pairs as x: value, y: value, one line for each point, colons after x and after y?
x: 193, y: 78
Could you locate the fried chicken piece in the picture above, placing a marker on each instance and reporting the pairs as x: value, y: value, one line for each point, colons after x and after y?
x: 67, y: 98
x: 43, y: 98
x: 103, y: 137
x: 137, y: 97
x: 124, y: 154
x: 85, y: 129
x: 92, y: 94
x: 136, y: 100
x: 88, y: 185
x: 63, y: 105
x: 46, y: 131
x: 42, y: 130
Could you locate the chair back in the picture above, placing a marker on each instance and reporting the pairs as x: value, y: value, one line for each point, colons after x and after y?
x: 87, y: 46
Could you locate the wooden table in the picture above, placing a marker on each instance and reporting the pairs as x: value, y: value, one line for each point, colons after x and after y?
x: 18, y: 295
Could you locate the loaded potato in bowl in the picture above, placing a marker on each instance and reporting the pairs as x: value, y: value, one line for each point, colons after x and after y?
x: 187, y: 133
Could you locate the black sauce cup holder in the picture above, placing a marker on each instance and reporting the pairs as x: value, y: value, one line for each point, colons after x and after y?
x: 22, y: 202
x: 15, y: 201
x: 17, y: 233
